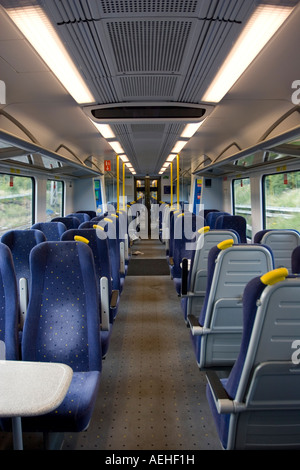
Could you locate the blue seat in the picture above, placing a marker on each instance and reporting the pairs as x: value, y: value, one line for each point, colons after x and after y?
x: 9, y: 307
x: 90, y: 213
x: 109, y: 299
x: 233, y: 222
x: 207, y: 211
x: 89, y: 224
x: 185, y: 237
x: 81, y: 216
x: 258, y: 405
x: 295, y: 260
x: 69, y: 222
x: 194, y: 277
x: 62, y: 325
x: 212, y: 217
x: 282, y: 243
x: 108, y: 226
x: 52, y: 230
x: 20, y: 243
x: 216, y: 333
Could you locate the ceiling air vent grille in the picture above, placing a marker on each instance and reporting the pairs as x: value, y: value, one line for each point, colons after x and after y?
x: 149, y: 46
x: 148, y: 86
x: 149, y: 6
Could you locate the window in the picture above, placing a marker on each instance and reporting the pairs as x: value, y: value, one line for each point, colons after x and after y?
x: 16, y: 202
x: 242, y: 201
x: 282, y: 200
x: 54, y: 199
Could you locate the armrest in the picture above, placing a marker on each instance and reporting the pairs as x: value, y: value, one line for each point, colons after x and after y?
x: 222, y: 400
x: 184, y: 276
x: 114, y: 298
x: 196, y: 329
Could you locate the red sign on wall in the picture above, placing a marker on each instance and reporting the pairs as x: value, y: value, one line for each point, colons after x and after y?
x: 107, y: 165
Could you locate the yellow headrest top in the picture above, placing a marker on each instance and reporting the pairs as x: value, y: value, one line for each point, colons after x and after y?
x: 225, y: 244
x: 107, y: 219
x: 98, y: 226
x: 204, y: 229
x: 78, y: 238
x: 113, y: 215
x: 276, y: 275
x: 179, y: 215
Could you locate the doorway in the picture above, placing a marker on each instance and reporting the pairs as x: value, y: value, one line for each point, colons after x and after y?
x: 147, y: 191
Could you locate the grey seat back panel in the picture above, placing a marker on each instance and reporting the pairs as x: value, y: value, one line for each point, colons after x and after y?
x: 282, y: 244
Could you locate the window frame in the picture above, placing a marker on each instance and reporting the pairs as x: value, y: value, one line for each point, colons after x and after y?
x: 62, y: 195
x: 33, y: 196
x: 263, y: 192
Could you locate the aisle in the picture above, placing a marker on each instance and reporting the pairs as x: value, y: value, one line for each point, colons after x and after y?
x: 152, y: 395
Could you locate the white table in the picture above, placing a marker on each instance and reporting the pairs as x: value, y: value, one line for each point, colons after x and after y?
x: 31, y: 389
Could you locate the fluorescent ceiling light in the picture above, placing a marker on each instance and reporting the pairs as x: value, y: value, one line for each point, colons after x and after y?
x: 258, y: 31
x: 171, y: 157
x: 179, y: 146
x: 116, y: 146
x: 104, y: 129
x: 36, y: 27
x: 191, y: 129
x: 129, y: 165
x: 124, y: 158
x: 166, y: 164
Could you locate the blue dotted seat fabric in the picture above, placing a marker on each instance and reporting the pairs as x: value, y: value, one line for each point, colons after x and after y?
x: 8, y: 304
x: 62, y: 325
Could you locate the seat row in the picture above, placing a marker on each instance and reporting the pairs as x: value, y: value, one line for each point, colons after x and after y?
x: 241, y: 302
x: 69, y: 298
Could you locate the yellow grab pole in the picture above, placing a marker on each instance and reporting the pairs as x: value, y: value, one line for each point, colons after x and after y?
x: 118, y: 182
x: 123, y: 185
x: 171, y: 187
x: 178, y: 181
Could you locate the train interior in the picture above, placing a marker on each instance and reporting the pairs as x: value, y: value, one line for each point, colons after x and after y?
x: 131, y: 107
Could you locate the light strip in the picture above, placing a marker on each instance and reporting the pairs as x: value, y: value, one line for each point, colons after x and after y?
x: 191, y: 129
x: 104, y: 129
x: 262, y: 25
x: 116, y: 146
x: 36, y: 27
x: 179, y: 146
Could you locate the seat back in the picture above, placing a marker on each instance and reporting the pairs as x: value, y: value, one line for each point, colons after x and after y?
x: 9, y: 308
x: 81, y: 216
x: 197, y: 279
x: 212, y: 217
x: 98, y: 246
x: 69, y: 222
x: 107, y: 229
x: 186, y: 230
x: 52, y: 230
x: 20, y: 243
x: 100, y: 251
x: 90, y: 213
x: 230, y: 268
x: 295, y: 260
x: 233, y: 222
x: 172, y: 221
x: 282, y: 244
x: 265, y: 380
x: 62, y: 323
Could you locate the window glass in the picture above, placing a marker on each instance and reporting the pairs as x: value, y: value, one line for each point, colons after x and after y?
x: 16, y: 202
x: 282, y: 200
x: 242, y: 201
x: 54, y: 199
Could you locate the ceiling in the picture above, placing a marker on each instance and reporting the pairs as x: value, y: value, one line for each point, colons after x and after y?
x: 141, y: 53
